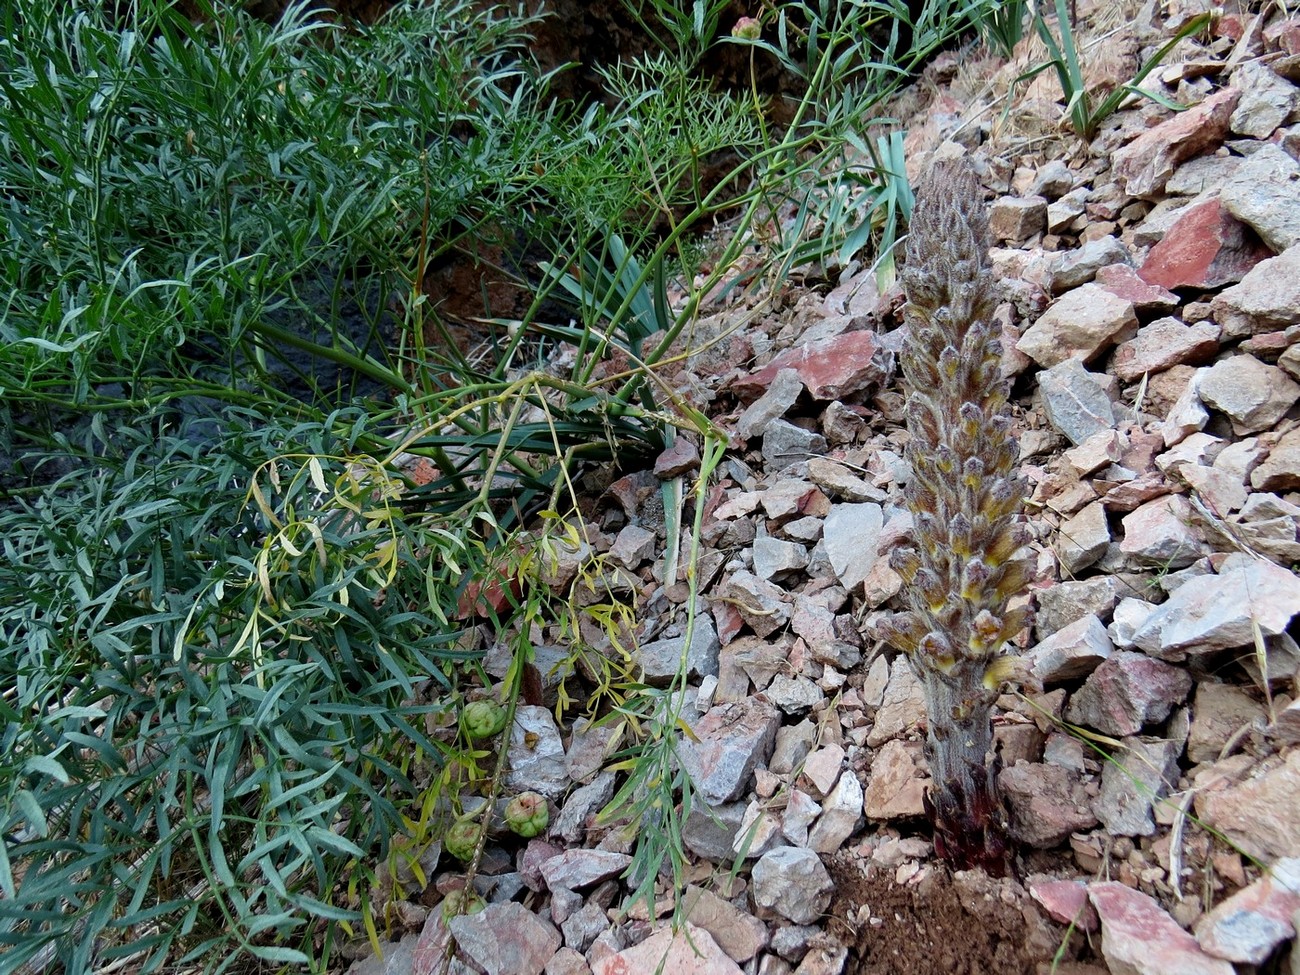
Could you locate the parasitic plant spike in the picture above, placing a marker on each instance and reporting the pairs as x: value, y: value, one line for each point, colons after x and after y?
x: 962, y: 566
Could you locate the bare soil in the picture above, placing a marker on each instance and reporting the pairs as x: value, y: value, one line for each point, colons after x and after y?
x: 940, y: 924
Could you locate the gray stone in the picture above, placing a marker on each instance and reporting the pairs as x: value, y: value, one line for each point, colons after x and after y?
x: 1127, y: 692
x: 774, y: 558
x: 1265, y: 300
x: 536, y: 754
x: 775, y: 403
x: 1253, y: 394
x: 763, y: 606
x: 785, y: 444
x: 1250, y: 924
x: 1265, y: 193
x: 1053, y: 180
x: 1131, y: 614
x: 710, y: 831
x: 729, y: 742
x: 841, y: 815
x: 576, y: 869
x: 1070, y: 269
x: 1072, y: 600
x: 583, y: 926
x: 794, y: 695
x: 850, y: 535
x: 583, y: 803
x: 792, y: 882
x: 661, y: 659
x: 1071, y: 653
x: 1077, y: 402
x: 1046, y: 803
x: 801, y: 810
x: 506, y: 939
x: 793, y: 744
x: 1267, y: 100
x: 1081, y: 323
x: 1219, y: 612
x: 1188, y: 414
x: 1083, y: 538
x: 1131, y: 782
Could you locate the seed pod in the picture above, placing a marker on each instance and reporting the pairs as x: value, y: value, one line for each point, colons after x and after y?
x: 483, y: 719
x: 461, y: 839
x: 527, y: 814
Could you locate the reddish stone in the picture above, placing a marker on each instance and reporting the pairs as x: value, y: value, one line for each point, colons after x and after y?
x: 1138, y: 937
x: 487, y: 599
x: 1146, y: 163
x: 831, y: 369
x: 1066, y: 901
x: 1123, y: 282
x: 1230, y: 26
x: 683, y: 456
x: 1284, y: 35
x: 1206, y: 248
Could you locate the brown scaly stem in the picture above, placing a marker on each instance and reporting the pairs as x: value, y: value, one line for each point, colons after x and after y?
x: 965, y: 498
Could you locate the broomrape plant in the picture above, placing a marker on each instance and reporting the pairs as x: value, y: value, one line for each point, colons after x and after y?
x: 964, y: 568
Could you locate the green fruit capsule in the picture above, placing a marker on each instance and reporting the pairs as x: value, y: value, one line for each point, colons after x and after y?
x: 527, y: 814
x: 483, y: 719
x: 458, y: 902
x: 462, y: 839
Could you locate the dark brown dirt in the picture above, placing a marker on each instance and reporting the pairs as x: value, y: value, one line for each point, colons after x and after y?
x: 940, y: 925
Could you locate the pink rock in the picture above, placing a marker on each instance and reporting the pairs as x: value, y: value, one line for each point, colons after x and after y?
x: 1206, y: 248
x: 1160, y: 533
x: 1128, y: 691
x: 1122, y: 281
x: 1164, y: 343
x: 896, y: 785
x: 1259, y: 816
x: 1080, y: 324
x: 831, y: 369
x: 691, y: 951
x: 531, y: 858
x: 1138, y: 938
x: 575, y: 869
x: 506, y: 939
x: 1146, y: 163
x: 1066, y: 901
x: 681, y: 457
x: 1252, y: 922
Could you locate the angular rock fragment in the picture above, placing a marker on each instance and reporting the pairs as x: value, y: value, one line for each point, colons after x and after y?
x: 792, y: 882
x: 1139, y: 938
x: 1046, y: 802
x: 1128, y: 691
